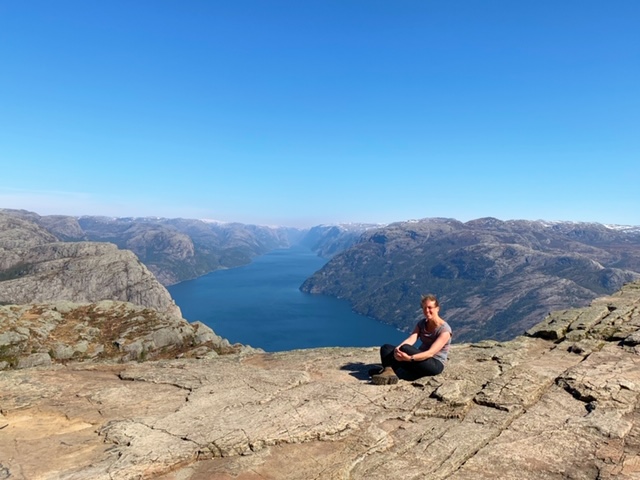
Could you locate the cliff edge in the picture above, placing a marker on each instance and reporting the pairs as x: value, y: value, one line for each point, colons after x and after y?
x: 561, y: 402
x: 35, y: 267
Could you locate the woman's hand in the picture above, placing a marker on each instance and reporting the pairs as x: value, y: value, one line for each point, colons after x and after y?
x: 401, y: 356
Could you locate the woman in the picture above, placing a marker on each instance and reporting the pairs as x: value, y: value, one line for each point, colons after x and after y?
x: 429, y: 359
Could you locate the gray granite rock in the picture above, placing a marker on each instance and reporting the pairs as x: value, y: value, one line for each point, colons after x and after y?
x: 531, y: 408
x: 34, y: 360
x: 107, y: 330
x: 35, y: 268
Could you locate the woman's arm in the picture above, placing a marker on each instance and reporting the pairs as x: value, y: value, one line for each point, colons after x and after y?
x: 410, y: 340
x: 436, y: 346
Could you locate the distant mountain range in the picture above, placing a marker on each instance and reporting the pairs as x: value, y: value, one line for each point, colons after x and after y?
x: 494, y: 278
x: 180, y: 249
x: 328, y: 240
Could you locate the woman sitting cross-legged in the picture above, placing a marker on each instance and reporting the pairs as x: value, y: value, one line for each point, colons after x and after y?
x: 427, y: 360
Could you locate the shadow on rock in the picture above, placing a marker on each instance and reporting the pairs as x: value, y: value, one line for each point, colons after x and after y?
x: 359, y: 370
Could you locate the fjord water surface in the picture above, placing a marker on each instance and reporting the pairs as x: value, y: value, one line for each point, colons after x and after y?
x: 260, y: 304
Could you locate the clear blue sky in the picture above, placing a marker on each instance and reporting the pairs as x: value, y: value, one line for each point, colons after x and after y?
x: 306, y: 112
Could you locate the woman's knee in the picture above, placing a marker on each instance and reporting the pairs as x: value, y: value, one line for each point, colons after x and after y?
x: 386, y: 349
x: 409, y: 349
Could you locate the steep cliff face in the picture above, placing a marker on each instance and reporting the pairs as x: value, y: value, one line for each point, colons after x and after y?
x: 562, y: 402
x: 36, y: 268
x: 495, y: 279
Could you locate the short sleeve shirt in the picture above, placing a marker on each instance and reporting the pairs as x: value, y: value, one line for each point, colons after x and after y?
x: 427, y: 339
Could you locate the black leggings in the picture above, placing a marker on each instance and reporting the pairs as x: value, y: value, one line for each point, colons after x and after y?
x: 422, y: 368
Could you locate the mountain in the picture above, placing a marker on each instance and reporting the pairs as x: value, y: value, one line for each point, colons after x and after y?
x: 494, y: 278
x: 181, y: 249
x: 173, y: 249
x: 178, y: 249
x: 36, y: 267
x: 328, y: 240
x: 562, y: 402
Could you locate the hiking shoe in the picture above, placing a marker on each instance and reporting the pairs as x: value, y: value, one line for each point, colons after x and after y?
x: 386, y: 377
x: 376, y: 370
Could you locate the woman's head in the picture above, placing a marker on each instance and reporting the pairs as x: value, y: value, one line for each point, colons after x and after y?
x: 430, y: 307
x: 430, y: 297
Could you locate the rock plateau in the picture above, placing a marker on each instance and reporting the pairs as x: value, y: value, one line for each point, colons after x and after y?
x: 561, y: 402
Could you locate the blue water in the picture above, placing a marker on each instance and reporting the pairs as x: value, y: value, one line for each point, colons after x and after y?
x: 260, y: 305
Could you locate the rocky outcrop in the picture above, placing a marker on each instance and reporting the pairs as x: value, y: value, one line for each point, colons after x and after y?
x: 494, y: 279
x: 45, y: 334
x: 36, y: 268
x: 561, y: 402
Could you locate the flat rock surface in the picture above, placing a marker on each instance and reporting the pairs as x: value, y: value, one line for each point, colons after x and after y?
x: 531, y: 408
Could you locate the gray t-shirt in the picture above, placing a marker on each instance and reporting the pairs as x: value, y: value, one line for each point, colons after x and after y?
x: 427, y: 339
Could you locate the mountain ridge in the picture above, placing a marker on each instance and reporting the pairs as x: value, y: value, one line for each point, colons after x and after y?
x: 36, y: 267
x: 495, y: 278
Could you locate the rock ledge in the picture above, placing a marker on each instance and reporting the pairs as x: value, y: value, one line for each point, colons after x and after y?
x: 561, y: 402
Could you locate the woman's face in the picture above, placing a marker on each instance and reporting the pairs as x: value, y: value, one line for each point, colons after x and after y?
x: 430, y: 309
